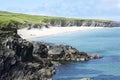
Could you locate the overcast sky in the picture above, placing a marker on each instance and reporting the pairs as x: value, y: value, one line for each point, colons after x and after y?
x: 100, y: 9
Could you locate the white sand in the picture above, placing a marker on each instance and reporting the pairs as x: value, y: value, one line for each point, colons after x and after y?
x: 33, y: 33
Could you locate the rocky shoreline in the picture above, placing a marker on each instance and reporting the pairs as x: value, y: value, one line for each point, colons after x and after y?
x: 25, y: 60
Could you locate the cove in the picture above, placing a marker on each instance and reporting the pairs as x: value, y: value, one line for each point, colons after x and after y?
x: 105, y: 41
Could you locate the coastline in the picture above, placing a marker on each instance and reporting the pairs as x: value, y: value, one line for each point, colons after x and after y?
x: 24, y: 59
x: 39, y: 55
x: 34, y: 33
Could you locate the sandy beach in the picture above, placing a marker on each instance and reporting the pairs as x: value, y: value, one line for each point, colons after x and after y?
x: 33, y: 33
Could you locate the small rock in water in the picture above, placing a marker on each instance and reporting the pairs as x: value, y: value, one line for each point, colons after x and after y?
x: 86, y: 79
x: 94, y: 56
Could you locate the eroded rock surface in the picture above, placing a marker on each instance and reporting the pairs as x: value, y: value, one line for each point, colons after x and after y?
x: 19, y: 63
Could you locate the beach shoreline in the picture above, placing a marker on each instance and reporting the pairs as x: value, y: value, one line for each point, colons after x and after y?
x: 35, y: 33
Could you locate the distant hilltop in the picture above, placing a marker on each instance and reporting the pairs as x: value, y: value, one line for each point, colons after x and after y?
x: 17, y: 20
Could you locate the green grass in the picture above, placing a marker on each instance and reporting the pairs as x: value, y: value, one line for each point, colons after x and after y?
x: 12, y: 20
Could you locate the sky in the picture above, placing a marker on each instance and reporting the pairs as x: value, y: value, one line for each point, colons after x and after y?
x: 92, y: 9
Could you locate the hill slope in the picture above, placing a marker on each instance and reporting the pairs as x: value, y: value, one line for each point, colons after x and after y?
x: 13, y: 20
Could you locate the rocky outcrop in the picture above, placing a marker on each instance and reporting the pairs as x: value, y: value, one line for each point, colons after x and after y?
x: 24, y: 60
x: 61, y: 52
x: 19, y: 63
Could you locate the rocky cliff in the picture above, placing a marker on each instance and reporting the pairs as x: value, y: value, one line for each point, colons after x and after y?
x: 24, y: 60
x: 17, y: 62
x: 71, y: 23
x: 87, y: 23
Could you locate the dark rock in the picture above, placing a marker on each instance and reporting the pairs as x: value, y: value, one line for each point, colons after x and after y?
x: 23, y: 65
x: 41, y: 50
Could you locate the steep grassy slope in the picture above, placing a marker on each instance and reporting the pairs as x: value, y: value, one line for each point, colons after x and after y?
x: 13, y: 20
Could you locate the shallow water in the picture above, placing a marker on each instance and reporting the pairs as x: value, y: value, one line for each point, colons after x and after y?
x: 104, y: 41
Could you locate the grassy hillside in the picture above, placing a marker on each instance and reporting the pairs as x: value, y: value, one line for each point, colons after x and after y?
x: 13, y: 20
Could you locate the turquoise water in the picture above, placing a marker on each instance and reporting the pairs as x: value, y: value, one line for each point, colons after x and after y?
x: 104, y: 41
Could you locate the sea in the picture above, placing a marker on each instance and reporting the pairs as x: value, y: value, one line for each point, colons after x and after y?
x: 104, y: 41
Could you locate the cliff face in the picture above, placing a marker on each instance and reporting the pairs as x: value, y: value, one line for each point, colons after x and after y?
x: 17, y: 62
x: 87, y: 23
